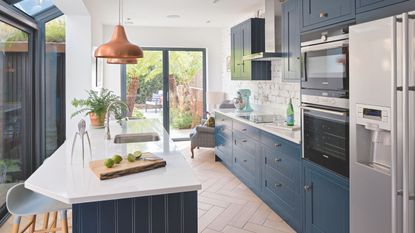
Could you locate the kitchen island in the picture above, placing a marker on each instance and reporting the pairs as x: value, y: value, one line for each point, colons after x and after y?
x: 160, y: 200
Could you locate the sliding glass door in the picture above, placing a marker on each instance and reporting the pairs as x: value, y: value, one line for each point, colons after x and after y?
x: 168, y: 85
x: 15, y: 108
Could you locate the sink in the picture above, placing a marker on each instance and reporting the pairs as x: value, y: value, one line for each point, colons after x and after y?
x: 136, y: 137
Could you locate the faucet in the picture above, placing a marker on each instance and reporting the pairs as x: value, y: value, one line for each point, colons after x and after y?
x: 107, y: 132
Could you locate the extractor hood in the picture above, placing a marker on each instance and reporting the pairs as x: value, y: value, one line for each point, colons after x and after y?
x: 272, y: 34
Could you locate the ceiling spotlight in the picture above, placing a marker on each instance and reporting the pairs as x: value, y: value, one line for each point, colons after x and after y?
x: 208, y: 21
x: 173, y: 16
x: 215, y: 1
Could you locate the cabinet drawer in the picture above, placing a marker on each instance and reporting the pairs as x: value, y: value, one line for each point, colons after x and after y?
x: 224, y: 132
x: 320, y: 13
x: 280, y: 186
x: 281, y: 145
x: 246, y: 129
x: 284, y: 165
x: 224, y: 149
x: 245, y: 143
x: 223, y: 122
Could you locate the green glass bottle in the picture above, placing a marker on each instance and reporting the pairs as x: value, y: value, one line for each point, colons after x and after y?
x: 290, y: 114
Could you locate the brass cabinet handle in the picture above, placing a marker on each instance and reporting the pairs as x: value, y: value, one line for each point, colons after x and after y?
x: 323, y: 14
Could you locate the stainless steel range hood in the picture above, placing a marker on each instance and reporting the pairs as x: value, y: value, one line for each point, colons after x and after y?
x: 272, y: 34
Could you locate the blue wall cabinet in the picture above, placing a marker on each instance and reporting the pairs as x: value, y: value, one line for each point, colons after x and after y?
x: 367, y: 5
x: 326, y: 202
x: 246, y: 38
x: 323, y: 13
x: 291, y: 16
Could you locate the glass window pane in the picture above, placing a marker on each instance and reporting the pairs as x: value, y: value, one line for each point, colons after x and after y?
x: 186, y: 91
x: 54, y: 84
x: 32, y: 7
x: 145, y: 86
x: 14, y: 69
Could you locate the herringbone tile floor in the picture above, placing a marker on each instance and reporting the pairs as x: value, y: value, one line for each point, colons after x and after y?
x: 225, y: 204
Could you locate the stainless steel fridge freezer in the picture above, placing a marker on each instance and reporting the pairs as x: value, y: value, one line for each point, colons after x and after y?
x: 382, y: 125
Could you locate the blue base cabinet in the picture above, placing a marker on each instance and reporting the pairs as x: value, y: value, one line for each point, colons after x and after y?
x: 326, y: 200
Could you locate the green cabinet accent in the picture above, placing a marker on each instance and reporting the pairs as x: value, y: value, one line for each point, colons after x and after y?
x: 323, y: 13
x: 291, y: 16
x: 246, y: 38
x: 326, y: 208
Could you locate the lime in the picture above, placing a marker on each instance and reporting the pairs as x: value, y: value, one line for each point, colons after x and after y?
x: 109, y: 163
x: 131, y: 158
x: 138, y: 154
x: 117, y: 159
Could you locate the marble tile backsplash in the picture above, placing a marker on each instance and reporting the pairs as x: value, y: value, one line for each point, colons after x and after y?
x: 274, y: 94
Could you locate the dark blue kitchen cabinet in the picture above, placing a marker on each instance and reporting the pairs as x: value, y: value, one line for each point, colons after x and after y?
x: 326, y: 200
x: 291, y: 16
x: 323, y: 13
x: 281, y: 174
x: 367, y: 5
x: 247, y: 38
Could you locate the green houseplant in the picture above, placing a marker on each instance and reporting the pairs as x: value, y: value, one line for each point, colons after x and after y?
x: 96, y: 106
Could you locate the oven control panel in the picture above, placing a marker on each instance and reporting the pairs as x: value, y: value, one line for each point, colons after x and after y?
x: 373, y: 116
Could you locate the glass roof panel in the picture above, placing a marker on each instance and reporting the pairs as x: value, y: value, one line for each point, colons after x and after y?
x: 32, y: 7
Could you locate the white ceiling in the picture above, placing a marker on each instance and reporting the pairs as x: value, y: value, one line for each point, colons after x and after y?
x: 193, y: 13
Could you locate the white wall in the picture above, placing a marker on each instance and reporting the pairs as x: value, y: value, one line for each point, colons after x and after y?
x: 210, y: 38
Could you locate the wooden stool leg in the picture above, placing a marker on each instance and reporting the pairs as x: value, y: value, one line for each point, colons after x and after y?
x: 16, y: 224
x: 33, y: 226
x: 64, y: 221
x: 45, y: 221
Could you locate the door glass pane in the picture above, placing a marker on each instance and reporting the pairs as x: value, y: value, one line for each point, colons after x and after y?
x: 185, y: 91
x: 144, y: 86
x: 14, y: 70
x: 32, y: 7
x: 54, y: 84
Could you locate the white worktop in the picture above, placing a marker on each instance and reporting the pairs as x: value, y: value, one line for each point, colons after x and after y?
x: 73, y: 183
x: 291, y: 135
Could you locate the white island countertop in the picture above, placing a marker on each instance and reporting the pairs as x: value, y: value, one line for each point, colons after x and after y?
x: 290, y: 135
x: 72, y: 183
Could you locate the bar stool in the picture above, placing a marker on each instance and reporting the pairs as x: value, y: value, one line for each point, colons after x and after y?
x: 22, y: 202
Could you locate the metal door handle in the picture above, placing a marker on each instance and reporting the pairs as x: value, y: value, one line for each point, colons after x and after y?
x: 277, y: 185
x: 245, y: 160
x: 324, y: 111
x: 244, y: 140
x: 323, y: 14
x: 244, y: 129
x: 278, y: 160
x: 308, y: 188
x: 278, y: 144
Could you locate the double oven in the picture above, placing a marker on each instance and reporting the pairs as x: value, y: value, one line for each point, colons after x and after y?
x: 325, y: 99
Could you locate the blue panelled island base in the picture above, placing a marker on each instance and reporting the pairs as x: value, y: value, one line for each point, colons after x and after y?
x: 170, y: 213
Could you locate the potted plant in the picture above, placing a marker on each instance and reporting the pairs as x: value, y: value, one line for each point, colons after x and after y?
x: 96, y: 106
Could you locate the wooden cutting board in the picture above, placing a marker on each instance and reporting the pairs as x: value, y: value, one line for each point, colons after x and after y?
x: 148, y: 162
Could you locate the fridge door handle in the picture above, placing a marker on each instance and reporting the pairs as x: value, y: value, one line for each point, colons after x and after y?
x: 394, y: 126
x: 405, y: 122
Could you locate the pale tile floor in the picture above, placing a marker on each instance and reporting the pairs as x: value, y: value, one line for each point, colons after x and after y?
x: 225, y: 204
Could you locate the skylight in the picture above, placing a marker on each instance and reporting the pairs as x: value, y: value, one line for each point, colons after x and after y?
x: 32, y: 7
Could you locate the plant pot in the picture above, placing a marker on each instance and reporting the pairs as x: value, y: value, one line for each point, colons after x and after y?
x: 97, y: 121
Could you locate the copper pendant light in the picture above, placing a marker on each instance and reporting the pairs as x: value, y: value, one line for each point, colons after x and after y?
x: 119, y: 47
x: 122, y: 60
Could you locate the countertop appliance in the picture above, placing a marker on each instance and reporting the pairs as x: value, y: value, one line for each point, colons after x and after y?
x: 242, y: 102
x: 324, y: 99
x: 382, y: 125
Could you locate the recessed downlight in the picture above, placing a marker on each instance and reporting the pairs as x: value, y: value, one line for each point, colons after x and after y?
x: 173, y: 16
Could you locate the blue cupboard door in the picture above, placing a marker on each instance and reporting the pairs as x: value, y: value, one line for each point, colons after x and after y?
x: 321, y: 13
x: 326, y: 201
x: 367, y: 5
x: 291, y: 40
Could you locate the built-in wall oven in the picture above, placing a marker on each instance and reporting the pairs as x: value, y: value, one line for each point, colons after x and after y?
x: 325, y: 99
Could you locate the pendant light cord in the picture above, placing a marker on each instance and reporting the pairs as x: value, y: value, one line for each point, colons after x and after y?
x: 120, y: 11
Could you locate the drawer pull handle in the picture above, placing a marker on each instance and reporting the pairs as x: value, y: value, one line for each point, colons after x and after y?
x: 244, y: 129
x: 278, y: 145
x: 244, y: 140
x: 278, y: 160
x: 223, y: 120
x: 277, y: 185
x: 308, y: 188
x: 323, y: 14
x: 245, y: 160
